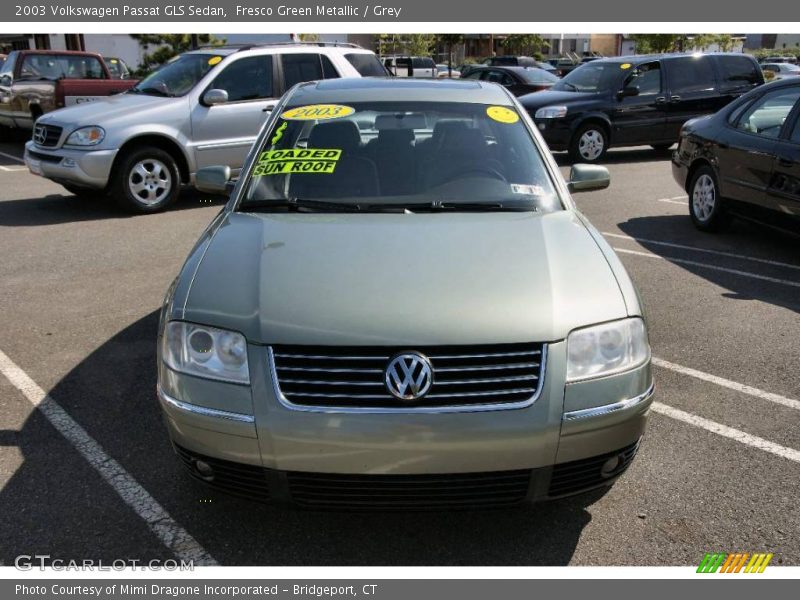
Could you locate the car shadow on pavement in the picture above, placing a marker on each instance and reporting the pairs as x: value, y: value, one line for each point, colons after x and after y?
x: 637, y: 154
x: 54, y: 503
x: 744, y: 239
x: 56, y: 209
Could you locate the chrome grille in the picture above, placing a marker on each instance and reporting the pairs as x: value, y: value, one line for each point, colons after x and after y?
x: 354, y: 377
x: 47, y: 135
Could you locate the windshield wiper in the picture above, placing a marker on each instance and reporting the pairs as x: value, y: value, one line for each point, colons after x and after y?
x: 152, y: 90
x: 572, y: 85
x: 300, y: 205
x: 444, y: 206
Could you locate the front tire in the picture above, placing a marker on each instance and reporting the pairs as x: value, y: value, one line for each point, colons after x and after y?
x: 589, y: 144
x: 705, y: 204
x: 147, y: 180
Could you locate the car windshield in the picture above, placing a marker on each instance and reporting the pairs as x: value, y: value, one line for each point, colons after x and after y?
x: 416, y: 156
x: 592, y: 77
x: 177, y: 77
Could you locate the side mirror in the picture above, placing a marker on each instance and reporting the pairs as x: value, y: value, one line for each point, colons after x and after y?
x: 214, y: 97
x: 214, y: 180
x: 585, y: 178
x: 628, y: 91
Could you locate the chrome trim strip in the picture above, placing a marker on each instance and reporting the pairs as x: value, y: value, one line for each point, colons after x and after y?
x: 454, y: 356
x: 597, y: 411
x: 487, y: 367
x: 206, y: 412
x: 407, y: 409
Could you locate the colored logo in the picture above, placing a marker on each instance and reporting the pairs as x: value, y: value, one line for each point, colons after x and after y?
x: 741, y: 562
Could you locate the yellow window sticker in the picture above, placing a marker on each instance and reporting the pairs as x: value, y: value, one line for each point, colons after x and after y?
x: 624, y: 66
x: 318, y: 112
x: 214, y: 60
x: 297, y: 160
x: 501, y: 114
x: 114, y: 61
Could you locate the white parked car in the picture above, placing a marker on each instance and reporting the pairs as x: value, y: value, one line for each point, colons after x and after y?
x: 410, y: 66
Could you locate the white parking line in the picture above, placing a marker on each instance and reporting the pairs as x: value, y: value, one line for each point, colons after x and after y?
x: 727, y: 383
x: 712, y: 267
x: 728, y: 432
x: 12, y: 157
x: 704, y: 250
x: 673, y: 201
x: 12, y: 169
x: 171, y: 534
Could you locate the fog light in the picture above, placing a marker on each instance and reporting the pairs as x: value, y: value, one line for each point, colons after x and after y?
x: 204, y: 470
x: 68, y: 162
x: 611, y: 466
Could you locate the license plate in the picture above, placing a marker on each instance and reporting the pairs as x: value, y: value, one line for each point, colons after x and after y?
x: 35, y: 166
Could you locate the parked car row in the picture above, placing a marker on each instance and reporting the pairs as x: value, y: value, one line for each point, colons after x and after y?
x: 203, y: 108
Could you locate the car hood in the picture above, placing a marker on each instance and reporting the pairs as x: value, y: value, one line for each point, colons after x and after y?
x: 402, y: 279
x: 104, y: 111
x: 550, y: 97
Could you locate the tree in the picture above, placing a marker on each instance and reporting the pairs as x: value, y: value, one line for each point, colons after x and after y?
x: 724, y: 41
x: 647, y: 43
x: 450, y: 40
x: 411, y: 44
x: 168, y: 45
x: 524, y: 43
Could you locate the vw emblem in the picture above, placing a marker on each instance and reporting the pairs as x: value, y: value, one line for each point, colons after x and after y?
x: 39, y: 135
x: 409, y: 376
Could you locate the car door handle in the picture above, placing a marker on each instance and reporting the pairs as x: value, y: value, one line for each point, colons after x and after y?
x: 660, y: 100
x: 267, y: 108
x: 785, y: 162
x: 674, y: 98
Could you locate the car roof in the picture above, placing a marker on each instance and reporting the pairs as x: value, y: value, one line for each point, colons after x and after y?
x: 640, y: 58
x: 379, y: 89
x: 278, y: 47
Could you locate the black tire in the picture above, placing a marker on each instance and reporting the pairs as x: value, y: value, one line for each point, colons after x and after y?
x: 154, y: 172
x: 661, y: 148
x: 589, y: 144
x: 706, y: 206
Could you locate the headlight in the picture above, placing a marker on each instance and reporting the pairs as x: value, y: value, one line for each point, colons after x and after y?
x: 206, y: 352
x: 606, y: 349
x: 86, y: 136
x: 551, y: 112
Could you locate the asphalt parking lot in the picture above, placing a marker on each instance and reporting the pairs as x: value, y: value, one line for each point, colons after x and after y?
x: 90, y: 474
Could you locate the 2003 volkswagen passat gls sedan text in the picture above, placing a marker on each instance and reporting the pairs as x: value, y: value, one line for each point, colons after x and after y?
x: 400, y: 307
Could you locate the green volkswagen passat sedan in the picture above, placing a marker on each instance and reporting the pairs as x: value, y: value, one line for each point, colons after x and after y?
x: 400, y: 307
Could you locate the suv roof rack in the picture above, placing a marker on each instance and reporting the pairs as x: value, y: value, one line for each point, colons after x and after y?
x: 242, y: 47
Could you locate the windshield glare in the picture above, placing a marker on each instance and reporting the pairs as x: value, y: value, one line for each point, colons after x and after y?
x: 592, y: 77
x: 178, y: 77
x: 402, y: 154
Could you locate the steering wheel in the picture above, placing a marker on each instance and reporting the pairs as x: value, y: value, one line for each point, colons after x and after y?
x: 477, y: 170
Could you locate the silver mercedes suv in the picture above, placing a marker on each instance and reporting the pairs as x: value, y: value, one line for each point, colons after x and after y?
x: 400, y: 307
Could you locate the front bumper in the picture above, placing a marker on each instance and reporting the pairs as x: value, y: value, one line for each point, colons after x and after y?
x: 557, y: 446
x: 556, y: 132
x: 84, y: 168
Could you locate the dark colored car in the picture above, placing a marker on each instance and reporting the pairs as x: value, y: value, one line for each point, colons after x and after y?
x: 744, y: 160
x: 518, y: 80
x: 518, y: 61
x: 637, y: 100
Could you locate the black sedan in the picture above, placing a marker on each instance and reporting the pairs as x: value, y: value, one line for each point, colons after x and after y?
x: 744, y: 160
x: 518, y: 80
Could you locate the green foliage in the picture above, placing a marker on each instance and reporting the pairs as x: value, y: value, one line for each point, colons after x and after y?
x: 524, y: 43
x: 411, y: 44
x: 168, y: 45
x: 653, y: 43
